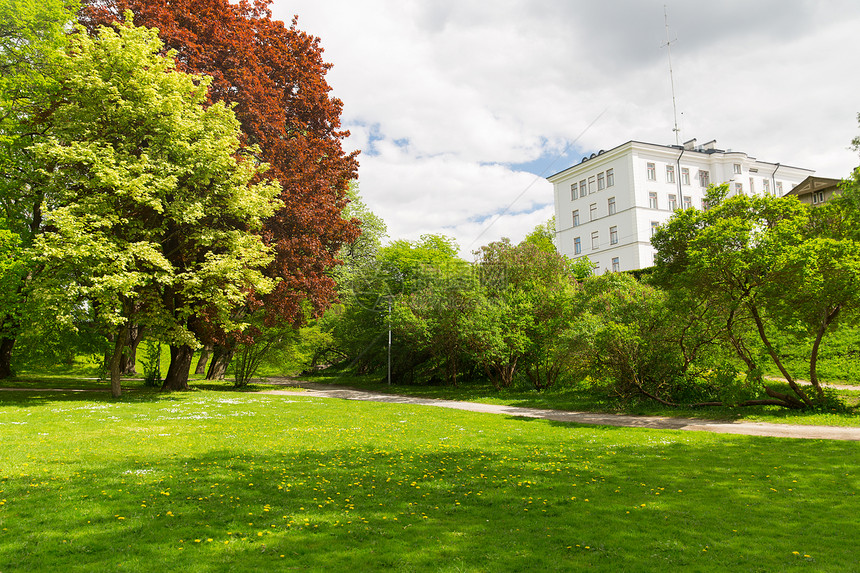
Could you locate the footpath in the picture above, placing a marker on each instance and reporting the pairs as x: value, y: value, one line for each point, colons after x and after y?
x: 655, y: 422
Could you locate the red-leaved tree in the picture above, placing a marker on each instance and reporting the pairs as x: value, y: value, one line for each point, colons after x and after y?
x: 275, y: 75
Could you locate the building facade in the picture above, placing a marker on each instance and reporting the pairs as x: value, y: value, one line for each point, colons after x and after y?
x: 815, y: 191
x: 608, y: 206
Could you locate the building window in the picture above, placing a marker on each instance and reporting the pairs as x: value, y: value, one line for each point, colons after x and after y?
x: 654, y: 225
x: 595, y: 240
x: 574, y: 191
x: 592, y: 212
x: 616, y: 265
x: 591, y: 188
x: 670, y: 174
x: 577, y: 246
x: 610, y: 177
x: 688, y: 203
x: 613, y: 235
x: 685, y: 175
x: 601, y: 181
x: 704, y: 204
x: 652, y: 172
x: 779, y: 188
x: 611, y: 203
x: 576, y: 218
x: 752, y: 186
x: 673, y: 202
x: 652, y: 199
x: 818, y: 197
x: 583, y: 190
x: 766, y: 185
x: 737, y: 168
x: 704, y: 178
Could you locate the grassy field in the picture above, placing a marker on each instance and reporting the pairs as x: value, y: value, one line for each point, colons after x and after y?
x: 226, y: 481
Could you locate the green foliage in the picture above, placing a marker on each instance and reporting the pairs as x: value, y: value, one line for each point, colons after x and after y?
x: 151, y: 361
x: 154, y: 203
x: 763, y: 267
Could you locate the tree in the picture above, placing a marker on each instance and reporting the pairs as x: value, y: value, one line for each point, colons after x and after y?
x: 534, y: 291
x: 760, y: 265
x: 275, y: 76
x: 155, y: 203
x: 32, y: 38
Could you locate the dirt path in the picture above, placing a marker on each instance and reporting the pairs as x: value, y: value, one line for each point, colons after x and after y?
x: 656, y: 422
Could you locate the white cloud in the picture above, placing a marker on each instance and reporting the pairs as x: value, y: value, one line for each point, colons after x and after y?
x: 446, y: 97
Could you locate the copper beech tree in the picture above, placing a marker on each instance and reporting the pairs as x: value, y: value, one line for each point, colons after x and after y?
x: 275, y: 76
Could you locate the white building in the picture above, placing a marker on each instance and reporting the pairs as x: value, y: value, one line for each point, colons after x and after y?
x: 608, y: 205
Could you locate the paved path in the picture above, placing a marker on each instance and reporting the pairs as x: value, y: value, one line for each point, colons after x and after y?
x: 656, y: 422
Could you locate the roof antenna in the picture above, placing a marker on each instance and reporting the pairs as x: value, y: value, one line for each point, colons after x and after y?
x: 668, y: 46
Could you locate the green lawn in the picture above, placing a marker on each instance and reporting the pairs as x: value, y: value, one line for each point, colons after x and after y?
x: 226, y: 481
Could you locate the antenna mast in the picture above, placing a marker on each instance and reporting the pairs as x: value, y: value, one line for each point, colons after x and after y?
x: 668, y: 46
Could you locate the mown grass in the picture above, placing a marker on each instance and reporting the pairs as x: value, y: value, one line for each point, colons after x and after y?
x: 579, y: 397
x: 218, y: 481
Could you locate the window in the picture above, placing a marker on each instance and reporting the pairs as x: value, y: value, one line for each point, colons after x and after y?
x: 739, y: 188
x: 574, y: 191
x: 616, y: 265
x: 688, y: 203
x: 577, y: 246
x: 766, y: 184
x: 752, y: 186
x: 610, y: 177
x: 583, y: 190
x: 613, y: 235
x: 591, y: 185
x: 595, y: 240
x: 654, y: 225
x: 705, y: 205
x: 685, y: 175
x: 601, y: 181
x: 704, y: 178
x: 652, y: 199
x: 576, y: 218
x: 779, y: 188
x: 652, y: 172
x: 670, y: 174
x: 592, y: 212
x: 818, y: 197
x: 611, y: 203
x: 673, y: 202
x: 737, y: 168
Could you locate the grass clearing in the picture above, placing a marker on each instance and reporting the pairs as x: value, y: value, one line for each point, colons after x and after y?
x: 214, y: 480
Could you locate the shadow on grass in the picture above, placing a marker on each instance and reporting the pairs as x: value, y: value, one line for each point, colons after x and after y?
x: 603, y: 500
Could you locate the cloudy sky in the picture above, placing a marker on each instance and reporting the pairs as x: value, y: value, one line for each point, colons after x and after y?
x: 461, y: 108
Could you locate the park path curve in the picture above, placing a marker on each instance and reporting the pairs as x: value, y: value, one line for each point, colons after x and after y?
x: 655, y: 422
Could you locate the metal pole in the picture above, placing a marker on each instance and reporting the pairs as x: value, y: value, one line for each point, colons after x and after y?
x: 389, y: 341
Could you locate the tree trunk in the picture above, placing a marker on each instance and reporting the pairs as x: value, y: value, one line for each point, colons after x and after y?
x: 180, y: 365
x: 829, y: 317
x: 6, y: 344
x: 788, y: 377
x: 128, y: 364
x: 204, y: 358
x: 221, y: 356
x: 116, y: 361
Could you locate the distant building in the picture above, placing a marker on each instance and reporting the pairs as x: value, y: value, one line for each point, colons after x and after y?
x: 608, y: 206
x: 815, y: 190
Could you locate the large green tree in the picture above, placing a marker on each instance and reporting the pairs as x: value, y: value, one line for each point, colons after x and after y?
x: 275, y: 75
x: 155, y: 203
x: 32, y: 41
x: 762, y: 266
